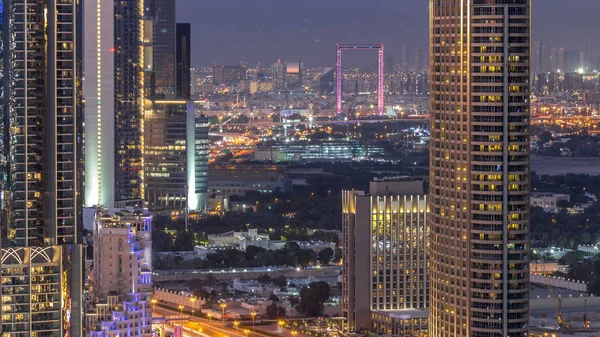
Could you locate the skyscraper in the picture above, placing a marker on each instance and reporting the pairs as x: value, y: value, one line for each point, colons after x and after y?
x: 278, y: 73
x: 129, y: 94
x: 99, y: 92
x: 160, y: 33
x: 42, y: 260
x: 479, y: 168
x: 418, y: 61
x: 404, y: 59
x: 176, y: 155
x: 183, y: 56
x: 294, y: 75
x: 386, y: 266
x: 537, y: 56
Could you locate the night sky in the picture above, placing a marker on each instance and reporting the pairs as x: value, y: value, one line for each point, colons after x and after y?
x: 230, y: 31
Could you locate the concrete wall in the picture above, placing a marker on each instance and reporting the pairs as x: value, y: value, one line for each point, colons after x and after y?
x: 559, y: 282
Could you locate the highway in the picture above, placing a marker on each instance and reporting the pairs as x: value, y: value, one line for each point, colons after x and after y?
x: 352, y: 121
x: 202, y: 327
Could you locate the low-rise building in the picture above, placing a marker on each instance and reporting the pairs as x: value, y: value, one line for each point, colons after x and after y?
x: 548, y: 201
x: 243, y: 178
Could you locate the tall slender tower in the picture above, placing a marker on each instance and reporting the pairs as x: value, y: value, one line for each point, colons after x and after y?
x: 479, y: 167
x: 129, y: 61
x: 41, y: 261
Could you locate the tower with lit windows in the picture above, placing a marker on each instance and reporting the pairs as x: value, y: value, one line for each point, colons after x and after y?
x: 41, y: 260
x: 479, y: 168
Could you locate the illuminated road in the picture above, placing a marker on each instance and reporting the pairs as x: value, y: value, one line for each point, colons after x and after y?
x: 352, y: 121
x: 201, y: 327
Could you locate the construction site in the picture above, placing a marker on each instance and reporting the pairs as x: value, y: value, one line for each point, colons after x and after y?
x: 560, y: 312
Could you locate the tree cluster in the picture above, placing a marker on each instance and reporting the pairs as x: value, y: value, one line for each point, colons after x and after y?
x: 312, y: 298
x: 291, y: 256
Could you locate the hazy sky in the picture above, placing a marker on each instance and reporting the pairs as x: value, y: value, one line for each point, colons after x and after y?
x: 229, y: 31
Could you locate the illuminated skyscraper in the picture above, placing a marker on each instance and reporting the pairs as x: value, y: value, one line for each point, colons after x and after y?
x: 129, y: 35
x: 113, y: 88
x: 99, y: 92
x: 479, y: 168
x: 41, y: 263
x: 176, y: 155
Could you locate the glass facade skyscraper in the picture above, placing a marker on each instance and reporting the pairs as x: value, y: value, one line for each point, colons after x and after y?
x: 41, y: 261
x: 479, y: 168
x: 129, y: 100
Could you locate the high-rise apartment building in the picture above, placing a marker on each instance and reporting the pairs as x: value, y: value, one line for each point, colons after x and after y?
x: 385, y: 285
x: 479, y: 168
x: 121, y: 279
x: 183, y: 57
x: 41, y: 261
x: 176, y: 155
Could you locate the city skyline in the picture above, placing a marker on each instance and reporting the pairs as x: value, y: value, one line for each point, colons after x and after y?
x: 251, y: 37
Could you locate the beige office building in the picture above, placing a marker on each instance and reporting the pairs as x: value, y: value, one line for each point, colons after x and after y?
x: 385, y: 262
x: 479, y: 167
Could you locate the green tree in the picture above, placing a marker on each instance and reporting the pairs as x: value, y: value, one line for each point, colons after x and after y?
x: 280, y: 281
x: 337, y: 258
x: 184, y: 241
x: 313, y: 297
x: 274, y: 311
x: 325, y: 256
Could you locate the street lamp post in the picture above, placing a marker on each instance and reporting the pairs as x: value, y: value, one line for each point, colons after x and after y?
x: 223, y: 306
x: 253, y: 318
x: 246, y: 332
x: 236, y: 324
x: 280, y: 324
x: 193, y: 300
x: 181, y: 309
x: 294, y: 333
x: 153, y: 305
x: 209, y: 317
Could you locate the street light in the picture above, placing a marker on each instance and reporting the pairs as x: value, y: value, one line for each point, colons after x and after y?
x: 246, y: 332
x: 210, y: 317
x: 181, y: 309
x: 193, y: 300
x: 223, y: 306
x: 280, y: 323
x: 236, y: 323
x: 253, y: 317
x: 153, y: 305
x: 294, y: 333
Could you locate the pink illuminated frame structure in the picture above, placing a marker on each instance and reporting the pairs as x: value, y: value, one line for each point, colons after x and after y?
x: 380, y: 74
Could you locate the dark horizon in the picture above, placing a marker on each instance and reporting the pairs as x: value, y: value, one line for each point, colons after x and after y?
x: 230, y: 31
